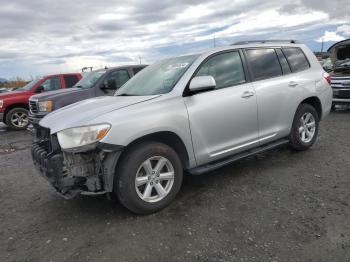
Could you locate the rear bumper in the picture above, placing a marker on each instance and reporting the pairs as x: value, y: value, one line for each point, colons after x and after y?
x: 91, y: 172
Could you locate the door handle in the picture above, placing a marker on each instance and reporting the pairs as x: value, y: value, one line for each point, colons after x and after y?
x: 293, y: 84
x: 248, y: 94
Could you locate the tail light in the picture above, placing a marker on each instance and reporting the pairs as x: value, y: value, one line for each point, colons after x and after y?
x: 327, y: 77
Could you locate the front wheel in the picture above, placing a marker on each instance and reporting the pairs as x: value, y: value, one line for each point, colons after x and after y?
x: 148, y: 177
x: 305, y: 128
x: 17, y: 118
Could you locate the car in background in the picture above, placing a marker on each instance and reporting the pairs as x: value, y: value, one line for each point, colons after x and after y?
x: 340, y: 75
x: 14, y: 109
x: 100, y: 82
x: 4, y: 89
x: 194, y: 113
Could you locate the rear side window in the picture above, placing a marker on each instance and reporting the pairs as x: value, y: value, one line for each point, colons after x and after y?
x: 226, y: 68
x: 70, y: 80
x: 283, y: 62
x: 263, y: 63
x: 296, y: 59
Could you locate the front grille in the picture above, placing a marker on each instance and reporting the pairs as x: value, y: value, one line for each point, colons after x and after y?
x: 340, y: 82
x: 33, y: 106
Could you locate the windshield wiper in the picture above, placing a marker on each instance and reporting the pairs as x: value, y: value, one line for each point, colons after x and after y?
x: 125, y: 94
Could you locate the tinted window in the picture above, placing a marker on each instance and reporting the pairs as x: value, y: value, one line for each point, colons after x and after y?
x: 137, y: 69
x: 296, y: 59
x: 52, y: 83
x: 283, y: 62
x: 120, y: 77
x: 263, y: 63
x: 70, y: 80
x: 226, y: 68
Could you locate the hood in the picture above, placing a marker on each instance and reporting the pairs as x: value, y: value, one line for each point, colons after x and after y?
x: 11, y: 94
x: 81, y: 113
x: 57, y: 93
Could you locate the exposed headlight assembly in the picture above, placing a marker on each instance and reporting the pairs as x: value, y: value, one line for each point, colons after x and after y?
x: 82, y: 136
x: 45, y: 106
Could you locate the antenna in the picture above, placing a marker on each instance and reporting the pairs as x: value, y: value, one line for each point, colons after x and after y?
x: 140, y: 59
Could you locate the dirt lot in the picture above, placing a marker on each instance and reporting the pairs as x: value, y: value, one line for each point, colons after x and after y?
x: 279, y: 206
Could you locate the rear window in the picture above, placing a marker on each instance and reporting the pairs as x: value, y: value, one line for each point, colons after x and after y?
x: 263, y: 63
x: 70, y: 80
x: 296, y: 59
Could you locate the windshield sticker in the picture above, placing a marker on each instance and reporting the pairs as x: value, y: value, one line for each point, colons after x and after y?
x: 177, y: 66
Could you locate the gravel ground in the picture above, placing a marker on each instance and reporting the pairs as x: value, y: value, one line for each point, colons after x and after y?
x: 277, y: 206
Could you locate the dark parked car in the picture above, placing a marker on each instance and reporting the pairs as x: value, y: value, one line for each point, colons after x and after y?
x: 100, y: 82
x: 340, y: 77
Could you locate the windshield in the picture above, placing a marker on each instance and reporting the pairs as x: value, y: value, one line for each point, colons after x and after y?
x: 159, y: 78
x: 28, y: 86
x: 90, y: 79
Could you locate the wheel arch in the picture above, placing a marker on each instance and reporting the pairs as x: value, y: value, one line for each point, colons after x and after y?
x: 167, y: 137
x: 316, y: 103
x: 17, y: 105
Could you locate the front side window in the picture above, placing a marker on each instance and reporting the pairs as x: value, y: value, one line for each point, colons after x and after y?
x: 296, y: 59
x: 159, y: 78
x: 263, y: 63
x: 52, y: 83
x: 119, y: 77
x: 225, y: 68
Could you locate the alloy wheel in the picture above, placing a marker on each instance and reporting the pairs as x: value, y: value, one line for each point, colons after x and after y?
x: 307, y: 127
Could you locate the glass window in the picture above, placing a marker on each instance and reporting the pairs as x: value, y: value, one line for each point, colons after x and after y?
x: 52, y: 83
x: 159, y: 78
x: 283, y: 62
x: 70, y: 80
x: 90, y: 79
x: 137, y: 69
x: 263, y: 63
x: 226, y: 68
x: 296, y: 59
x: 120, y: 77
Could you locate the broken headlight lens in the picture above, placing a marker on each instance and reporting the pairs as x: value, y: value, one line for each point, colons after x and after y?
x: 81, y: 136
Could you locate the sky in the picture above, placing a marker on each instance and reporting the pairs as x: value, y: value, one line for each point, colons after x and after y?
x: 41, y: 37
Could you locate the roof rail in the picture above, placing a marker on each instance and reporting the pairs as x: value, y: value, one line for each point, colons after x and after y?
x: 266, y: 42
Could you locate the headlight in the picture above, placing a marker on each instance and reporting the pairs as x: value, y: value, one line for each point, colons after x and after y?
x: 1, y: 103
x: 45, y: 106
x: 81, y: 136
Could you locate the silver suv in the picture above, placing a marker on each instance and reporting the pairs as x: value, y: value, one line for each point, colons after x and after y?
x: 194, y: 113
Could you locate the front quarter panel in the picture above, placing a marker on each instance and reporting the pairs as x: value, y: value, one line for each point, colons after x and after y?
x: 158, y: 115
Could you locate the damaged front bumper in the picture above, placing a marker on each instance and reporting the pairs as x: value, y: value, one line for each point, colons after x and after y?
x: 89, y: 170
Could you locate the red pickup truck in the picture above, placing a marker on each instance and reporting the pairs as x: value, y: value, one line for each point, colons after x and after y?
x: 14, y: 105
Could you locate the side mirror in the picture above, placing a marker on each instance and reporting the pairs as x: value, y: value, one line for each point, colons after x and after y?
x: 39, y: 89
x: 202, y: 83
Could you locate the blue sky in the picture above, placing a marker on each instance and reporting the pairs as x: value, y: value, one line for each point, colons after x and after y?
x: 41, y: 37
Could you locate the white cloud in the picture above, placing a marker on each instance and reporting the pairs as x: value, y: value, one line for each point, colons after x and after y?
x: 330, y: 37
x: 345, y: 29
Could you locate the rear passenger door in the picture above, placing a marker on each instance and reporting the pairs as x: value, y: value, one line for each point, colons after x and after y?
x: 271, y: 77
x: 223, y: 121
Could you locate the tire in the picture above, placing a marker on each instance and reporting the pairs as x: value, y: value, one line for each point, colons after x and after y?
x: 21, y: 114
x: 297, y: 140
x: 140, y: 162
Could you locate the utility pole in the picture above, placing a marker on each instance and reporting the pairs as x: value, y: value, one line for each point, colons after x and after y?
x: 140, y: 59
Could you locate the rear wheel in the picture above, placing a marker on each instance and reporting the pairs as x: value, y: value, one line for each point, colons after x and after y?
x: 148, y: 177
x: 17, y: 118
x: 305, y: 127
